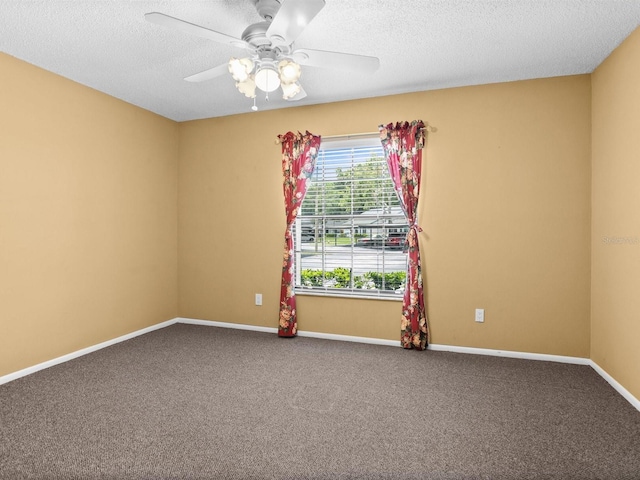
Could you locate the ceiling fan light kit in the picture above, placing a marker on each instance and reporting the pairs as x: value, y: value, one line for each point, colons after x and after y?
x: 266, y: 77
x: 274, y: 63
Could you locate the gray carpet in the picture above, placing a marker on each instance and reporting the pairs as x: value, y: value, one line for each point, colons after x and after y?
x: 194, y: 402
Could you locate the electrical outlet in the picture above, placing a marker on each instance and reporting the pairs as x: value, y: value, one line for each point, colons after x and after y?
x: 480, y: 315
x: 258, y: 299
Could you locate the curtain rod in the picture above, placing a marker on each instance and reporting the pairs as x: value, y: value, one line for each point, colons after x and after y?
x: 427, y: 127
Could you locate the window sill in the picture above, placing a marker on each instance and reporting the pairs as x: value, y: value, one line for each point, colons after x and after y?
x: 359, y: 296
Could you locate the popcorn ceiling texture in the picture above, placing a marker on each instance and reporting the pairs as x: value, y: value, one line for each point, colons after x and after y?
x: 422, y: 45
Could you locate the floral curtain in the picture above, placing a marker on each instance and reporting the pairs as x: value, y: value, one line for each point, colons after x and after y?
x: 403, y: 144
x: 299, y: 153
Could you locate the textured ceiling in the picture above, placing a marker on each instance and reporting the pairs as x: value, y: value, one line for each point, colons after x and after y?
x: 421, y: 44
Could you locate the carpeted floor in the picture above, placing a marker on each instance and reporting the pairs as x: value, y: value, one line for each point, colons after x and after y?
x: 194, y: 402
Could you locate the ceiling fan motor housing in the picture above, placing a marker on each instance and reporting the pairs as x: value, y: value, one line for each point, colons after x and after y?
x: 256, y: 34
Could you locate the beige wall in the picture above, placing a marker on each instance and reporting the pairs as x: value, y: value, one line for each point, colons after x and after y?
x: 615, y: 307
x: 89, y: 187
x: 505, y: 209
x: 88, y: 232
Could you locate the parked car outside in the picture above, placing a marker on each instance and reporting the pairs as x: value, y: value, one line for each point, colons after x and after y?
x: 395, y: 241
x: 375, y: 241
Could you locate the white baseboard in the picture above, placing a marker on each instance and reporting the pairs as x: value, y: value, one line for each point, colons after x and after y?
x: 70, y: 356
x: 330, y: 336
x: 301, y: 333
x: 349, y: 338
x: 237, y: 326
x: 544, y: 357
x: 396, y: 343
x: 614, y: 383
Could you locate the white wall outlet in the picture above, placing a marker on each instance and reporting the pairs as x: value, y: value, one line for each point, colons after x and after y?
x: 258, y: 299
x: 480, y: 315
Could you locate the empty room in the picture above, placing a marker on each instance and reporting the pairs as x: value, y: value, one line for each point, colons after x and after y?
x: 308, y: 239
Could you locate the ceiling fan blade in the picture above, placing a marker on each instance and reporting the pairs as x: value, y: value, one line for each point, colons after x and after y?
x: 291, y: 20
x: 298, y: 96
x: 209, y: 74
x: 336, y: 60
x: 193, y: 29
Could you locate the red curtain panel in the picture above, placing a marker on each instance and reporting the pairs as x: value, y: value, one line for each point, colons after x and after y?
x: 299, y: 153
x: 403, y: 144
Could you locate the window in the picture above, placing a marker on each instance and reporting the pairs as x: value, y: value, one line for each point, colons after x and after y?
x: 350, y: 233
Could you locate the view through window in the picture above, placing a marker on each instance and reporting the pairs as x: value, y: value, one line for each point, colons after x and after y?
x: 350, y: 233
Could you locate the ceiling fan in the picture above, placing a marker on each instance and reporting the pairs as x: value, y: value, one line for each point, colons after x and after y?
x: 273, y: 62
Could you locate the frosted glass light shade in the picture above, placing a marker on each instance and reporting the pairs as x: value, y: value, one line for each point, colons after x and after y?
x: 289, y: 71
x: 267, y: 78
x: 248, y: 87
x: 240, y: 68
x: 290, y: 90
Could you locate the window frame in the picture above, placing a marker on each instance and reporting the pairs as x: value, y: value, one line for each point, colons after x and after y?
x: 352, y: 142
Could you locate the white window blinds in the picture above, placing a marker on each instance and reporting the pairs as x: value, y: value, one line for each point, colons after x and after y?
x: 350, y: 232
